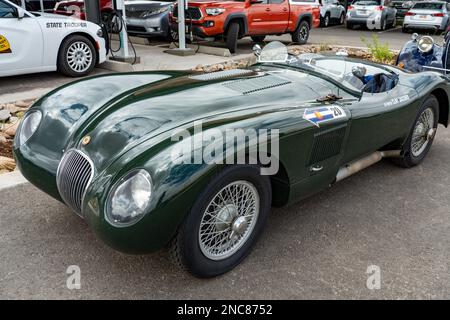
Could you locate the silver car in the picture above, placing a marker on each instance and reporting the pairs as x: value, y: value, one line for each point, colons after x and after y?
x: 331, y: 11
x: 148, y: 18
x: 430, y: 15
x: 374, y: 14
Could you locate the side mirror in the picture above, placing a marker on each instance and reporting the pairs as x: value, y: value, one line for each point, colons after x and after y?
x: 20, y: 14
x: 257, y: 50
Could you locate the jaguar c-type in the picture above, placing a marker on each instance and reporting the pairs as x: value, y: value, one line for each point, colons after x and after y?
x: 104, y: 146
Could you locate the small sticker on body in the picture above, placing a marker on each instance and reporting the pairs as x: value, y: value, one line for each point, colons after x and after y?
x: 4, y: 45
x: 323, y: 114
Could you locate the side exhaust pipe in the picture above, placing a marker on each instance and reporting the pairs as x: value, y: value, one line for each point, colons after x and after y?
x: 361, y: 164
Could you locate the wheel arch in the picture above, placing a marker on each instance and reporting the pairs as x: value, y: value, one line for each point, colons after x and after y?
x: 443, y: 100
x: 83, y: 34
x: 241, y: 19
x: 305, y: 17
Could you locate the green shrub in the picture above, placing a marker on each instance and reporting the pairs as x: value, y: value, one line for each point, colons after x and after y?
x: 380, y: 52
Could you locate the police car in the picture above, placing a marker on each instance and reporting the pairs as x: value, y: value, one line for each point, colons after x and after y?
x: 38, y: 42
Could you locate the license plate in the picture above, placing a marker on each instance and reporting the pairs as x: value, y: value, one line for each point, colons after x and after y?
x: 423, y: 17
x: 362, y: 12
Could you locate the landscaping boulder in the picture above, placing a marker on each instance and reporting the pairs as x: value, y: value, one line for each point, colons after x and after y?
x: 7, y: 164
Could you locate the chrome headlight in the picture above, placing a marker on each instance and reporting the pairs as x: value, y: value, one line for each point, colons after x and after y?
x: 29, y: 126
x: 100, y: 33
x: 425, y: 44
x: 214, y: 11
x: 129, y: 199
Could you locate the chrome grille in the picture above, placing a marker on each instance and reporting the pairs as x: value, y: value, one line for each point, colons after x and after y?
x: 75, y: 172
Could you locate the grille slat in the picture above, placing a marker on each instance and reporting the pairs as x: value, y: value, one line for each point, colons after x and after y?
x: 74, y: 175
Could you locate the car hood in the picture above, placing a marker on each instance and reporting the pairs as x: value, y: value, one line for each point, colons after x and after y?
x: 55, y: 17
x: 148, y: 4
x: 117, y: 113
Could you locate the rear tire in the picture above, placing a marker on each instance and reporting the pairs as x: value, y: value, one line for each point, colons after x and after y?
x: 349, y: 25
x: 422, y: 134
x: 215, y: 237
x: 258, y: 38
x: 405, y: 30
x: 232, y: 36
x: 301, y: 34
x: 342, y: 19
x: 77, y: 56
x: 383, y: 24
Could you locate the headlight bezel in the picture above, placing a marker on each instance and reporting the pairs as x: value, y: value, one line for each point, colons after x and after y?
x: 127, y: 178
x: 20, y: 140
x: 425, y: 44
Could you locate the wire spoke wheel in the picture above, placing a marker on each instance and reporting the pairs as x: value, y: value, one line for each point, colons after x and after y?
x: 79, y: 57
x: 228, y: 220
x: 423, y: 132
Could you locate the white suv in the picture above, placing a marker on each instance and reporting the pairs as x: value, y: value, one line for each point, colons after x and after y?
x: 331, y: 11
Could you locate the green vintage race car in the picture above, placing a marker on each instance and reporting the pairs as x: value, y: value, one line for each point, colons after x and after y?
x: 105, y: 146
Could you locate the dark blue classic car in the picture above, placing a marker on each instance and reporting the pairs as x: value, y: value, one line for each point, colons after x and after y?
x: 423, y: 54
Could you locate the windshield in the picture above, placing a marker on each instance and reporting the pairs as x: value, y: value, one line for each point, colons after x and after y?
x: 336, y: 68
x: 428, y: 6
x: 367, y: 3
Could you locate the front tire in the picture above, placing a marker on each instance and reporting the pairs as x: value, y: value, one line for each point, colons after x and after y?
x: 422, y: 134
x: 301, y: 34
x: 77, y: 56
x: 224, y: 223
x: 232, y: 36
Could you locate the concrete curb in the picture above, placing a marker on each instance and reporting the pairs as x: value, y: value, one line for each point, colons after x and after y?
x: 11, y: 180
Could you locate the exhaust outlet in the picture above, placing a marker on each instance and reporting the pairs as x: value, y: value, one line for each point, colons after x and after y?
x: 361, y: 164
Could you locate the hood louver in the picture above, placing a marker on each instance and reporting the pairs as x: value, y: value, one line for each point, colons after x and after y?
x: 222, y: 74
x: 254, y: 84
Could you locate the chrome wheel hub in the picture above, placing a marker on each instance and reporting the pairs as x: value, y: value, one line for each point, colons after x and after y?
x: 79, y: 56
x: 229, y: 220
x: 423, y: 132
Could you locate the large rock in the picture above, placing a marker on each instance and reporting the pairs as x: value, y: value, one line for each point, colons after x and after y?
x: 4, y: 115
x: 7, y: 164
x: 24, y: 104
x: 11, y: 128
x: 3, y: 139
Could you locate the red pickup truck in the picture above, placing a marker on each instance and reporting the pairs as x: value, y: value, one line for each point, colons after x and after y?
x: 234, y: 19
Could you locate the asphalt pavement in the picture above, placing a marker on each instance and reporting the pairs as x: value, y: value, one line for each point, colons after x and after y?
x: 385, y: 218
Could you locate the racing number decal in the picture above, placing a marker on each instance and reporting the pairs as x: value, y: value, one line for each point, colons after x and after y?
x: 4, y: 45
x: 323, y: 114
